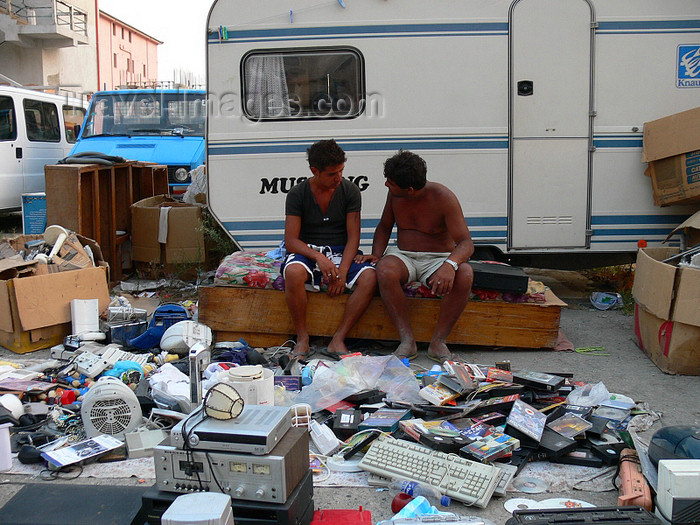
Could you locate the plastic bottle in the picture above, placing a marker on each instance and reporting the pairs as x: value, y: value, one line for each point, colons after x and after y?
x: 415, y: 488
x: 418, y: 506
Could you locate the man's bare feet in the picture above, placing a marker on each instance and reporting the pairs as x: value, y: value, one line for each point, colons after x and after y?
x: 438, y: 351
x: 301, y: 349
x: 337, y: 347
x: 406, y: 349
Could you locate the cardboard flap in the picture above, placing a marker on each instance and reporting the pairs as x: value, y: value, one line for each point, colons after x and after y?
x: 654, y: 281
x: 672, y: 135
x: 687, y: 307
x: 44, y: 300
x: 692, y: 222
x: 6, y: 310
x: 9, y: 268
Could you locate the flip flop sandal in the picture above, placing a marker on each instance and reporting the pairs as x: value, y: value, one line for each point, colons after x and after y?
x: 332, y: 355
x: 302, y: 357
x: 440, y: 359
x: 410, y: 357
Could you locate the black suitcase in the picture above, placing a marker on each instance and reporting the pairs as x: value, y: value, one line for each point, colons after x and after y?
x: 499, y: 277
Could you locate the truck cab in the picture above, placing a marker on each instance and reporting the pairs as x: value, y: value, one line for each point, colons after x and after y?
x: 164, y: 126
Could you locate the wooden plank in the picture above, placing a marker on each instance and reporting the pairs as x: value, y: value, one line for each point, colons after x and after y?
x: 250, y: 311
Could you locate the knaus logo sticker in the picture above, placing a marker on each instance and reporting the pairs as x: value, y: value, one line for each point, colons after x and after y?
x: 688, y: 66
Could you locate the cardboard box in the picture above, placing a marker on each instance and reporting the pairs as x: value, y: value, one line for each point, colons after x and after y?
x: 667, y: 317
x: 35, y: 306
x: 672, y: 149
x: 33, y: 213
x: 184, y: 238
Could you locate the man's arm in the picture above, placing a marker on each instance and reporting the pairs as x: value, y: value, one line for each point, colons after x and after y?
x: 442, y: 280
x: 381, y: 234
x: 293, y: 244
x: 352, y: 223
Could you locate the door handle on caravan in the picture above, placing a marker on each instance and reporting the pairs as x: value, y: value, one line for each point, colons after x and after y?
x: 18, y: 153
x: 525, y: 88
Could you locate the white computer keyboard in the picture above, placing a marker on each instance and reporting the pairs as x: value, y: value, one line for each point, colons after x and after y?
x: 462, y: 479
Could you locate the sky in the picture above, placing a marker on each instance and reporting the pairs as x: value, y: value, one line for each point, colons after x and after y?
x: 179, y: 24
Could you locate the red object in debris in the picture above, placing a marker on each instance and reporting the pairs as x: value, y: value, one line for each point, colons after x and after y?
x: 68, y: 397
x: 400, y: 501
x: 342, y: 517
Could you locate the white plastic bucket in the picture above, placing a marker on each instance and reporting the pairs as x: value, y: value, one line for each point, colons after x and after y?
x: 5, y: 451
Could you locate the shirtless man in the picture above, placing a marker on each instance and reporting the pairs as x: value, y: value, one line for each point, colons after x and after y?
x: 322, y: 236
x: 434, y: 246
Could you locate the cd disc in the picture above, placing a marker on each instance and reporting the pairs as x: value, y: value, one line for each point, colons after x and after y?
x: 564, y: 503
x: 514, y: 504
x: 530, y: 485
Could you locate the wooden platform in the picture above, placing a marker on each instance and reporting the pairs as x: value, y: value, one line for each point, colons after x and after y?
x: 262, y: 319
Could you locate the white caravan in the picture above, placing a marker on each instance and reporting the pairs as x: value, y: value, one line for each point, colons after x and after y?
x: 531, y: 111
x: 36, y: 129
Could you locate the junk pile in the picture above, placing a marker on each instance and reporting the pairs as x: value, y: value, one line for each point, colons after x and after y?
x: 124, y: 386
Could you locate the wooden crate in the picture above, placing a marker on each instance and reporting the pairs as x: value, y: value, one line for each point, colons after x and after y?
x: 94, y: 201
x: 262, y: 319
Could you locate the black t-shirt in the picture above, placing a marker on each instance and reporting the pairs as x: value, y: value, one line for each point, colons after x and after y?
x: 319, y: 229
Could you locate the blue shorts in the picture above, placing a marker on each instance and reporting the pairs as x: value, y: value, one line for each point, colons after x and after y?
x: 335, y: 254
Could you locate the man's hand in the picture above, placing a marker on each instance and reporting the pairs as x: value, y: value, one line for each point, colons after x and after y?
x: 442, y: 280
x: 366, y: 258
x: 329, y: 272
x: 336, y: 285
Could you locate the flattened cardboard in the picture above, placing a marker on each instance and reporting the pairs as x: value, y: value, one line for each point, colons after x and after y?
x: 672, y: 135
x: 44, y: 300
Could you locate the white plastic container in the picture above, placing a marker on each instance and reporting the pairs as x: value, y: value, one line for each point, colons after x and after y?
x: 5, y: 451
x: 205, y: 508
x: 85, y: 316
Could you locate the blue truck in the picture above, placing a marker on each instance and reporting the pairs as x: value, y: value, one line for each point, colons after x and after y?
x: 165, y: 126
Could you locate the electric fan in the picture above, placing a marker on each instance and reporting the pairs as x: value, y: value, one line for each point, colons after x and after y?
x: 110, y: 407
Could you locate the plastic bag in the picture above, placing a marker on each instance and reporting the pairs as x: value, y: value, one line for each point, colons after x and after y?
x: 355, y: 374
x: 589, y: 395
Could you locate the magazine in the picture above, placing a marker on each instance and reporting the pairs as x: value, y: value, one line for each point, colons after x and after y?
x: 82, y: 451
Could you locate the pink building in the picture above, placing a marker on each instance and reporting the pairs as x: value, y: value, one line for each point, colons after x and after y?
x: 126, y: 56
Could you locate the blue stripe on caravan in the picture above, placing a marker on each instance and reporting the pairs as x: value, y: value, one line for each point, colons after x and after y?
x: 638, y: 219
x: 617, y: 143
x: 378, y: 146
x: 473, y: 222
x: 632, y: 231
x: 648, y: 25
x: 356, y: 31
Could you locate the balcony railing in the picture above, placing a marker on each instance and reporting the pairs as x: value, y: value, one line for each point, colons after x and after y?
x: 47, y: 12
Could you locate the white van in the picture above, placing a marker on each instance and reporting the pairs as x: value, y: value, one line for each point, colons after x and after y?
x: 531, y: 111
x: 36, y: 129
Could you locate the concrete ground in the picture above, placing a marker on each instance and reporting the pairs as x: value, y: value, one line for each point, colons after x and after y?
x: 627, y: 370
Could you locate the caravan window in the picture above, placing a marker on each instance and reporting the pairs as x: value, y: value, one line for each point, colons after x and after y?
x: 73, y: 118
x: 8, y: 126
x: 303, y: 84
x: 42, y: 121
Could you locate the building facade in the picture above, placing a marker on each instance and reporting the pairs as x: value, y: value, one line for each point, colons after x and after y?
x: 43, y: 40
x: 127, y: 57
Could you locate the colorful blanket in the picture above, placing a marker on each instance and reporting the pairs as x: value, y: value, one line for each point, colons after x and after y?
x: 257, y: 270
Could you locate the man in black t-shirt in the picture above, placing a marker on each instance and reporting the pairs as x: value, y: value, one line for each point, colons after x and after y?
x: 322, y: 236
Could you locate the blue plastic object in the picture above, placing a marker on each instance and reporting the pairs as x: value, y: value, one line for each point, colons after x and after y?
x: 164, y: 317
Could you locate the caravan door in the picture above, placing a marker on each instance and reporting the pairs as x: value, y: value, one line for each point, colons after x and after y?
x: 550, y: 60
